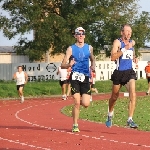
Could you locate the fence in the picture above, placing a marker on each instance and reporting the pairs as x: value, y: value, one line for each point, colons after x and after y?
x: 46, y: 71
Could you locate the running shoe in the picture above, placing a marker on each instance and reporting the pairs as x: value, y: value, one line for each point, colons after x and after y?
x: 64, y: 97
x: 75, y: 128
x: 147, y: 93
x: 109, y: 122
x: 132, y: 124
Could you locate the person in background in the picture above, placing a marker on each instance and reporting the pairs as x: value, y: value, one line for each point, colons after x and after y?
x: 21, y: 78
x: 63, y: 81
x: 101, y: 76
x: 147, y: 71
x: 93, y: 89
x: 68, y: 78
x: 92, y: 82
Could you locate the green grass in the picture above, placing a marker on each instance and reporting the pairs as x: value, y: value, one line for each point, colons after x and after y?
x: 97, y: 112
x: 105, y: 86
x: 31, y: 89
x: 51, y: 87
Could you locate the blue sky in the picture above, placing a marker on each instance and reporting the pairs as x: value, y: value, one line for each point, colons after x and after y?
x: 5, y: 42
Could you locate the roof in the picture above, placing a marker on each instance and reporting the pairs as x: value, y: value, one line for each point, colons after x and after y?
x: 7, y: 49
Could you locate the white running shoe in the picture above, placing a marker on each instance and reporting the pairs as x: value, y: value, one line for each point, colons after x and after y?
x: 64, y: 97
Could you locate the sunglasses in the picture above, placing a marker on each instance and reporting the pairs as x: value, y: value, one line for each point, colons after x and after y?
x: 78, y: 33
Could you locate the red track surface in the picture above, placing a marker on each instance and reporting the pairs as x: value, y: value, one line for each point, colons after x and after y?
x: 39, y: 124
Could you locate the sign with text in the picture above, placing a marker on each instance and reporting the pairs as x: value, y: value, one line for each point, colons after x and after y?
x: 39, y: 71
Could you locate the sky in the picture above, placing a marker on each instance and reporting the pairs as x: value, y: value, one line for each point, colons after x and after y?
x: 6, y: 42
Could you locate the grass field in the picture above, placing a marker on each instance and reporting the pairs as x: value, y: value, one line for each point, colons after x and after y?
x: 97, y: 112
x: 31, y: 89
x: 51, y: 87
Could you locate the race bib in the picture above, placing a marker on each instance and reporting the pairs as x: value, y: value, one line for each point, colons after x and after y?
x: 128, y: 54
x: 78, y: 76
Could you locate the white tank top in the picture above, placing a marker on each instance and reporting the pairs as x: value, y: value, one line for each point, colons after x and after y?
x: 20, y: 78
x: 63, y: 74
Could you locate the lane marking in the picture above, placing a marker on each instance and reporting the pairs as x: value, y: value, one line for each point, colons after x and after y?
x: 86, y: 136
x: 24, y: 144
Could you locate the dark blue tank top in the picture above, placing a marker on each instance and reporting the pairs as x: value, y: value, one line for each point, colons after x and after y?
x: 125, y: 61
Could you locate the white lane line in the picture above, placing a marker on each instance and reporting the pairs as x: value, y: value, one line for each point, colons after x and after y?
x: 24, y: 144
x: 86, y: 136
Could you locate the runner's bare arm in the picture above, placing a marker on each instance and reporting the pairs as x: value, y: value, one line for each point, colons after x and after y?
x: 145, y: 70
x: 64, y: 64
x: 57, y: 71
x: 135, y: 59
x: 26, y: 77
x: 92, y: 58
x: 115, y: 54
x: 14, y: 76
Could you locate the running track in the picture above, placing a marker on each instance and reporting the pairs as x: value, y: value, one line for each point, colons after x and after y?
x: 39, y: 124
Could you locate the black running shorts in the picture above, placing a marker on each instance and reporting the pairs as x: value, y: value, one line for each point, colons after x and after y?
x: 63, y: 82
x: 18, y: 86
x: 80, y: 87
x: 122, y: 77
x: 148, y: 79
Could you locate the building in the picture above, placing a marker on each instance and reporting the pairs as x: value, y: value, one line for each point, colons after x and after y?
x: 8, y: 55
x: 145, y: 54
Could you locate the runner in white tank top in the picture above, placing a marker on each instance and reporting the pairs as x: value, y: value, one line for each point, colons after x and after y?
x: 21, y: 79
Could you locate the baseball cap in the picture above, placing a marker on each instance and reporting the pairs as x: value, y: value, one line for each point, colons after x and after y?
x: 79, y: 29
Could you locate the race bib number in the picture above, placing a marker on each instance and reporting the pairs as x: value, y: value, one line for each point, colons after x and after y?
x: 128, y: 54
x: 78, y: 76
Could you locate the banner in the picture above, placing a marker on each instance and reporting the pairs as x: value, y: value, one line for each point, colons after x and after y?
x: 39, y: 71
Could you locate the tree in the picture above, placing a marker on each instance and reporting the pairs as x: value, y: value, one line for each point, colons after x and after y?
x: 43, y: 17
x: 141, y: 30
x: 54, y: 21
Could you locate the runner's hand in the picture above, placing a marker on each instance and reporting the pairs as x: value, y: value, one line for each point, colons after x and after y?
x: 128, y: 46
x: 72, y: 62
x: 92, y: 68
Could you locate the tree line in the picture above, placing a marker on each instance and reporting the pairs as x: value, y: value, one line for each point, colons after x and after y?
x: 54, y: 21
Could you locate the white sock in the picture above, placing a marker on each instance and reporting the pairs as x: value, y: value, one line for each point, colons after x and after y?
x: 130, y: 118
x: 75, y: 124
x: 110, y: 113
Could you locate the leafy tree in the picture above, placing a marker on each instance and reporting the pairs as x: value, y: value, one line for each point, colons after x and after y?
x: 54, y: 21
x: 141, y: 30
